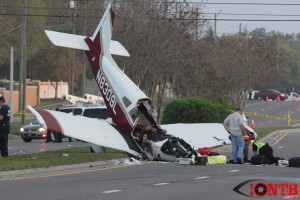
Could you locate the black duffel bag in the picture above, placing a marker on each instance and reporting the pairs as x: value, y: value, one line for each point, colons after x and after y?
x: 294, y: 162
x: 259, y: 160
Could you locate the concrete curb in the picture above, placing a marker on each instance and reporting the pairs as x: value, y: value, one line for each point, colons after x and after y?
x: 272, y: 137
x: 56, y: 170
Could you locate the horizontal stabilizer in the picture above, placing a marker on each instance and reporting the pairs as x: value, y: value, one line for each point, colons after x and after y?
x: 67, y: 40
x: 77, y: 42
x: 117, y: 48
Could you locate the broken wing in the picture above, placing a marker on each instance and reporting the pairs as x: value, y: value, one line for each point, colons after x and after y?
x: 91, y: 130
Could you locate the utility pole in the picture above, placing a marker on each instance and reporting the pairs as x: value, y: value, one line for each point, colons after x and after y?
x: 72, y: 5
x: 215, y: 29
x: 84, y: 61
x: 22, y: 70
x: 197, y: 26
x: 11, y: 84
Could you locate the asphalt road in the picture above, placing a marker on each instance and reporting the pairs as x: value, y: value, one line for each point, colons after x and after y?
x: 273, y: 108
x: 156, y: 180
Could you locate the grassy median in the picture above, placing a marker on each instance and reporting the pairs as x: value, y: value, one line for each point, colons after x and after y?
x: 55, y: 158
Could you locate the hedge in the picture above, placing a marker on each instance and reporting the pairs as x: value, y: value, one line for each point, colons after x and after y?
x: 195, y: 110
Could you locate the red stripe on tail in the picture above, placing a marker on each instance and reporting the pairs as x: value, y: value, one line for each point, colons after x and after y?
x: 51, y: 123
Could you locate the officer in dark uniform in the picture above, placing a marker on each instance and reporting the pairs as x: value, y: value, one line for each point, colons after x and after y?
x: 260, y: 148
x: 5, y: 114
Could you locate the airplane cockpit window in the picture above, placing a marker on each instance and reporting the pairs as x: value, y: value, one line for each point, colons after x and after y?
x: 134, y: 113
x: 126, y: 102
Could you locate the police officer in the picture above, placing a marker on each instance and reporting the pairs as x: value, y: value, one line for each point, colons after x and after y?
x: 5, y: 114
x: 260, y: 148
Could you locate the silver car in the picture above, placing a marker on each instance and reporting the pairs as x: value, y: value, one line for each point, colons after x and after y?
x: 33, y: 131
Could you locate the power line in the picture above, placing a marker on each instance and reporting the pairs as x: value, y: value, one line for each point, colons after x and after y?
x: 167, y: 2
x: 252, y: 14
x: 156, y: 18
x: 217, y: 3
x: 244, y: 3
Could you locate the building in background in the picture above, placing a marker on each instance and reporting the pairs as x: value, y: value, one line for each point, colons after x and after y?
x: 35, y: 90
x: 53, y: 90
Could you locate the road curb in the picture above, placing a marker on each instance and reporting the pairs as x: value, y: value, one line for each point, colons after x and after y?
x: 64, y: 169
x: 274, y: 136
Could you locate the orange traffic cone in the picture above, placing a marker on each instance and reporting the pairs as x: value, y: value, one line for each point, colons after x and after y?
x: 252, y: 124
x: 267, y: 99
x: 278, y: 99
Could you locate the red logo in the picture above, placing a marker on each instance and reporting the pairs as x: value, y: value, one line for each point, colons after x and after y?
x: 259, y: 188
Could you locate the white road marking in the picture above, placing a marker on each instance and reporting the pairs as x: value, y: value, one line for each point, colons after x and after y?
x: 202, y: 177
x: 235, y: 170
x: 291, y: 197
x: 111, y: 191
x: 158, y: 184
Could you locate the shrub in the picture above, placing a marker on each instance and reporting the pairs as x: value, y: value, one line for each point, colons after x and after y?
x: 195, y: 110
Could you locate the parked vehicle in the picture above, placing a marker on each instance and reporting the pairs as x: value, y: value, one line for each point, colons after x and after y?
x: 33, y: 131
x: 271, y: 94
x: 91, y: 111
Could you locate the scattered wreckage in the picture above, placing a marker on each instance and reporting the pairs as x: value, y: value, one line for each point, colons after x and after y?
x: 126, y: 104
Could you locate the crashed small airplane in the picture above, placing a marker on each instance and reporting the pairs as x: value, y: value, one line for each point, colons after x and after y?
x: 132, y: 126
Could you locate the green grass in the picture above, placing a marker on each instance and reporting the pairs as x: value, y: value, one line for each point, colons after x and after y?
x: 50, y: 102
x: 55, y: 158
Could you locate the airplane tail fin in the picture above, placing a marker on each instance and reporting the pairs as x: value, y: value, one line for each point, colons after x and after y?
x: 101, y: 36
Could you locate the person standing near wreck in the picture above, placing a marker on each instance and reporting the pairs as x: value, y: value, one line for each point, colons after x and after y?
x: 234, y: 125
x: 5, y: 113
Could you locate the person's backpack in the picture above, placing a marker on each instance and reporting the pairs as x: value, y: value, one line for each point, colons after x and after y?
x: 294, y: 162
x: 259, y: 160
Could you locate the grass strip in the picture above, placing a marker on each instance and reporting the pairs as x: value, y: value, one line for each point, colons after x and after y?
x: 72, y: 155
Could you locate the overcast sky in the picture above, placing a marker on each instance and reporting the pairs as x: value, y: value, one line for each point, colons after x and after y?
x: 257, y: 12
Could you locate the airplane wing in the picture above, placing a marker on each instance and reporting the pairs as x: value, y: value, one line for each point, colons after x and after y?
x: 199, y: 135
x: 251, y: 130
x: 91, y: 130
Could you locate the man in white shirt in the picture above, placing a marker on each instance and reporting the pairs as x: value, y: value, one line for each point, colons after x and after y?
x: 234, y: 125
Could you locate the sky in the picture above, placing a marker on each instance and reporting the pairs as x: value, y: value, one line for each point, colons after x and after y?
x: 256, y: 12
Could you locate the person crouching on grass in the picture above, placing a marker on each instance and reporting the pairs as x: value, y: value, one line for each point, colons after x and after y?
x: 234, y: 125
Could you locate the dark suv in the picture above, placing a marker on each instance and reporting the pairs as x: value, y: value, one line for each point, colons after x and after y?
x: 271, y: 94
x: 96, y: 111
